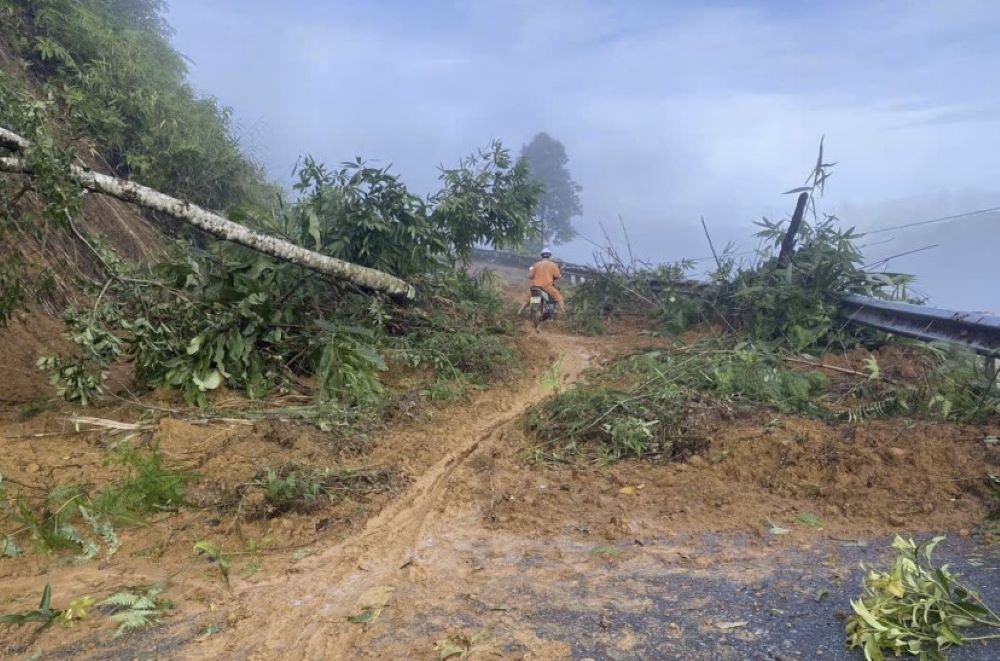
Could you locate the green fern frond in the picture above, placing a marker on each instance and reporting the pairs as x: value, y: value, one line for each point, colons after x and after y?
x: 103, y: 529
x: 132, y: 611
x: 123, y: 599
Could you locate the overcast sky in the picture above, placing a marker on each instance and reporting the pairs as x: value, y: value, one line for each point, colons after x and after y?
x: 668, y: 110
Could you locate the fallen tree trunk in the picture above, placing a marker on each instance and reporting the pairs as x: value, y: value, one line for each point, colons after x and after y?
x: 216, y: 225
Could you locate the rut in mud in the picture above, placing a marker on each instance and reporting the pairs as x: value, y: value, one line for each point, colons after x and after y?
x: 306, y: 614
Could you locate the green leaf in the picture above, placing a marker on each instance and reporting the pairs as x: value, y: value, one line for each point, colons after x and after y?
x: 810, y: 519
x: 211, y: 381
x: 194, y: 346
x: 859, y: 607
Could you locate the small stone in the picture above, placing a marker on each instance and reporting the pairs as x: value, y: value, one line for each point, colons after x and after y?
x: 964, y: 532
x: 33, y: 468
x: 696, y: 461
x: 896, y: 520
x: 897, y: 453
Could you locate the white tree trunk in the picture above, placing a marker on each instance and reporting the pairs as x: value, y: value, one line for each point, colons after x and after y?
x: 216, y: 225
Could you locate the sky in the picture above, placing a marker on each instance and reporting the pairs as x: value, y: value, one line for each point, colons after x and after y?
x: 669, y: 111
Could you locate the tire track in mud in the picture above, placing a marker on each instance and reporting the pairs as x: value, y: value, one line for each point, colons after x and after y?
x: 304, y: 615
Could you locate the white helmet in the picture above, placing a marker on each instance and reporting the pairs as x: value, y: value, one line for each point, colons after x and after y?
x: 546, y: 252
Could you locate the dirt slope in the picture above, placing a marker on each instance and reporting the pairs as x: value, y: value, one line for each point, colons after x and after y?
x: 478, y: 552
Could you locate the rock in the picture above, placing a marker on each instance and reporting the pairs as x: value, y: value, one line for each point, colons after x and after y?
x: 696, y: 461
x: 33, y: 468
x: 897, y: 520
x: 894, y: 454
x: 964, y: 532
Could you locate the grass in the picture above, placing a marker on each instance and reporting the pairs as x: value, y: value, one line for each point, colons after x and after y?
x: 295, y: 488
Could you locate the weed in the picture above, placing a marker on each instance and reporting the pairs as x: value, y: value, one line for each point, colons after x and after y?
x: 621, y: 289
x: 51, y: 526
x: 444, y: 390
x: 550, y: 377
x: 750, y: 374
x: 463, y: 646
x: 29, y: 411
x: 215, y: 554
x: 44, y: 615
x: 251, y: 568
x: 69, y: 519
x: 299, y: 488
x: 148, y: 485
x: 291, y: 490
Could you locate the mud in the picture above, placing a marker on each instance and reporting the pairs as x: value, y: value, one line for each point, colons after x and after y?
x: 748, y: 550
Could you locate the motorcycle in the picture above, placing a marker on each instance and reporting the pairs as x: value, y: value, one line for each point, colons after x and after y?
x: 541, y: 306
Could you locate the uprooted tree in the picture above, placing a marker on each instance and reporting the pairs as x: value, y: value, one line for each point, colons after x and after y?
x: 254, y: 319
x: 211, y: 223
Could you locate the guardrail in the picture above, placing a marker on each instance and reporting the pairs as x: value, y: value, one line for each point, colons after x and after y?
x: 577, y: 273
x: 978, y: 331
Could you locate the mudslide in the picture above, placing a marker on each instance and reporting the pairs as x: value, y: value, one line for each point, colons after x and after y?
x: 309, y: 614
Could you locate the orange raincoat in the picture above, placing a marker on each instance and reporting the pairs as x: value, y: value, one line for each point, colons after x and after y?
x: 543, y: 275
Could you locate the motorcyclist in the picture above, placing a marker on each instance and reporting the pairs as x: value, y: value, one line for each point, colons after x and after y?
x: 543, y: 274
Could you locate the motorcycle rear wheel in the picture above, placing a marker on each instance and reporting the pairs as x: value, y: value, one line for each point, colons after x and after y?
x: 536, y: 315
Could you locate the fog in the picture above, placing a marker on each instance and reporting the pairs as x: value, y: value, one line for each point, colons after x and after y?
x: 668, y: 111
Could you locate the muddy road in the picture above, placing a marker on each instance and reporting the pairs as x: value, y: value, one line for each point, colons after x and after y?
x: 482, y: 554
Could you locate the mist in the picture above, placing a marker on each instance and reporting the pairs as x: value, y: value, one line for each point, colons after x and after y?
x: 668, y: 111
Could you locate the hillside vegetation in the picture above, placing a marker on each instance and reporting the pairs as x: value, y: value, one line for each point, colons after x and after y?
x: 100, y: 82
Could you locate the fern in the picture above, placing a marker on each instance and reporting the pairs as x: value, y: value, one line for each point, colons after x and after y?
x: 215, y: 554
x: 136, y: 610
x: 52, y: 528
x: 88, y: 547
x: 103, y: 529
x: 149, y: 486
x: 870, y: 410
x: 8, y: 547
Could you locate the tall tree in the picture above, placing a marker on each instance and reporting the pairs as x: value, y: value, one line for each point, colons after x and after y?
x: 560, y: 202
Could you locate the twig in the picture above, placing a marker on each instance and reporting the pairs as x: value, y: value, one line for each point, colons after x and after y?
x: 708, y: 236
x: 115, y: 425
x: 71, y: 432
x: 628, y: 241
x: 100, y: 297
x: 844, y: 370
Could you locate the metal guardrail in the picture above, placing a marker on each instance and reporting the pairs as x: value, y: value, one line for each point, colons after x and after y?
x: 516, y: 260
x: 978, y: 331
x: 577, y: 272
